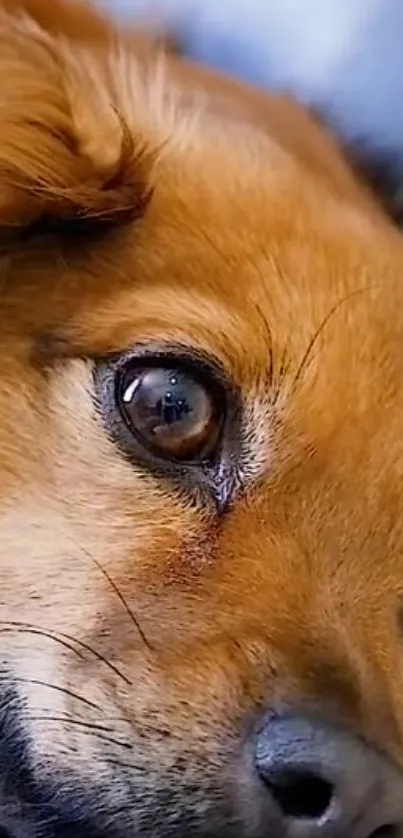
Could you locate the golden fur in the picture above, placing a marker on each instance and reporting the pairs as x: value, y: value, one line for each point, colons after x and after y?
x: 145, y: 200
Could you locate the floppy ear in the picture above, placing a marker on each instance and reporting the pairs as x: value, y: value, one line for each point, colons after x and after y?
x: 65, y: 150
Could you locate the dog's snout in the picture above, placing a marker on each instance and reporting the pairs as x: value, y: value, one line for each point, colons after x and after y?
x: 326, y: 782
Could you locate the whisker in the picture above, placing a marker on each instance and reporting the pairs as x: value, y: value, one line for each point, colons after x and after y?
x: 60, y: 637
x: 66, y: 717
x: 269, y: 341
x: 307, y: 356
x: 120, y: 596
x: 142, y: 728
x: 279, y: 376
x: 96, y: 730
x: 64, y: 690
x: 22, y: 628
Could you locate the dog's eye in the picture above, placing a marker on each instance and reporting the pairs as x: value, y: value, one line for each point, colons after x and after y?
x: 172, y: 412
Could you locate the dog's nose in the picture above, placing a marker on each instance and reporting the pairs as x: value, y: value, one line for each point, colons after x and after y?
x: 327, y: 783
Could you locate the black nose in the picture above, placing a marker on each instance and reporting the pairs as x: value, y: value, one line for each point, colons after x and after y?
x: 327, y: 783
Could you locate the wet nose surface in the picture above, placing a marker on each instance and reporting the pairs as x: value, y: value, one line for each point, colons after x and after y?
x: 327, y: 783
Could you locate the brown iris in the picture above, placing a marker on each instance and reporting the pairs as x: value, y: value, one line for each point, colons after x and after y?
x: 171, y: 412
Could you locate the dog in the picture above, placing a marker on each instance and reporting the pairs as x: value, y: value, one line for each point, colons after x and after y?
x: 201, y: 453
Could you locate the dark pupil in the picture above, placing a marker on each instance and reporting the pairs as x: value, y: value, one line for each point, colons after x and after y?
x: 172, y: 405
x: 169, y: 409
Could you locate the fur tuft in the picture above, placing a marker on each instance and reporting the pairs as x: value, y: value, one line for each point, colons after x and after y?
x: 66, y: 151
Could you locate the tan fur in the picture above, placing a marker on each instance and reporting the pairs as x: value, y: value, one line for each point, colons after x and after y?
x: 227, y: 221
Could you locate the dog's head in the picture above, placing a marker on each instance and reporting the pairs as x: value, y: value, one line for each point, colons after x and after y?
x: 201, y: 455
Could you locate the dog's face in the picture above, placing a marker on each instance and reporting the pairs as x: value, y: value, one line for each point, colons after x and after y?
x: 201, y: 456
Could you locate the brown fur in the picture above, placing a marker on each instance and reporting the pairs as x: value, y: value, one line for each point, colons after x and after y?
x: 142, y: 199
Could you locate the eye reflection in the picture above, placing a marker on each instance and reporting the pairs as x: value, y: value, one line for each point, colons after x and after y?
x: 171, y: 411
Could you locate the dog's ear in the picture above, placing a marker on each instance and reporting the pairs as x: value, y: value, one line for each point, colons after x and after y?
x: 65, y: 150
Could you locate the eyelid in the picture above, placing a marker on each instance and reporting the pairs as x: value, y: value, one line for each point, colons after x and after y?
x: 187, y: 358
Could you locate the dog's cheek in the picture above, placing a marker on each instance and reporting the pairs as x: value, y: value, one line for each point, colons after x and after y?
x: 83, y: 530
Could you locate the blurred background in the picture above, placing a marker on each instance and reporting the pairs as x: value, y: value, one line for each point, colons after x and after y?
x: 345, y: 57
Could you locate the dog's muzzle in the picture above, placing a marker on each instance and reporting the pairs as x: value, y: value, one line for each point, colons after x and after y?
x: 298, y: 777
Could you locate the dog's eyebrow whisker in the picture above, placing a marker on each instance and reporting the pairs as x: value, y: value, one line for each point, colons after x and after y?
x: 267, y: 332
x: 277, y: 367
x: 279, y: 376
x: 99, y: 731
x: 120, y: 596
x: 16, y: 679
x: 67, y: 641
x: 307, y: 355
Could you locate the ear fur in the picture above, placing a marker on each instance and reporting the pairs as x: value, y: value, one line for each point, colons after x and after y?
x: 65, y: 151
